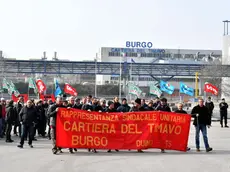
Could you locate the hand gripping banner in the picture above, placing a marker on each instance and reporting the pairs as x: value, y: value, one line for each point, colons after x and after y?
x: 133, y: 130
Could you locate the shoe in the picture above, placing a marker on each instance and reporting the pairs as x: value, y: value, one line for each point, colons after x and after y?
x: 54, y: 150
x: 208, y: 149
x: 221, y: 126
x: 162, y: 151
x: 75, y: 149
x: 116, y: 150
x: 20, y: 146
x: 9, y: 141
x: 109, y: 151
x: 71, y: 151
x: 94, y: 151
x: 140, y: 151
x: 60, y: 151
x: 89, y: 150
x: 226, y: 126
x: 188, y: 149
x: 198, y: 150
x: 31, y: 146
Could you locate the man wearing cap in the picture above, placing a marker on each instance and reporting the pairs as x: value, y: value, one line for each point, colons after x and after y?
x: 210, y: 105
x: 124, y: 107
x: 136, y: 108
x: 223, y: 113
x: 163, y: 106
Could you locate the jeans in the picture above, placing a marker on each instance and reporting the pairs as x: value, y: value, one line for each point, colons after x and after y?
x: 1, y: 127
x: 27, y: 129
x: 203, y: 129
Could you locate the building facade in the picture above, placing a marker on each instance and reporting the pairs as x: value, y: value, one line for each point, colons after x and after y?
x: 168, y: 56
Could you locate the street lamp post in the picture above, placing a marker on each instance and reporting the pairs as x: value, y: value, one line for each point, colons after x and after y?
x: 95, y: 87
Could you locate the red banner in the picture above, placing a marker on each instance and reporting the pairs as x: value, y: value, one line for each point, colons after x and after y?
x: 211, y: 88
x: 47, y: 97
x: 70, y: 90
x: 25, y: 97
x: 133, y: 130
x: 41, y: 86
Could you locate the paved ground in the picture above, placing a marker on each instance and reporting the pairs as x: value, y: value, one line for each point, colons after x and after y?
x: 40, y: 158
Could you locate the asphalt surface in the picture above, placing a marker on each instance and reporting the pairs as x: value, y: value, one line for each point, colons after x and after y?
x: 41, y: 159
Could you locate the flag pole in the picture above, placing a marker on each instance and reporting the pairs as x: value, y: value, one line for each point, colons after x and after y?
x: 120, y: 80
x: 196, y: 85
x: 95, y: 87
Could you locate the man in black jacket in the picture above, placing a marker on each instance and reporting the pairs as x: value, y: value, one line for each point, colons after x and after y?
x: 124, y: 107
x: 18, y: 108
x: 202, y: 119
x: 223, y: 113
x: 10, y: 118
x: 52, y: 113
x: 210, y: 105
x: 28, y: 119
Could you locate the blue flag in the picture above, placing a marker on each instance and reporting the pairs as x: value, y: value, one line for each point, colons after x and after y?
x: 186, y: 90
x: 165, y: 87
x: 57, y: 88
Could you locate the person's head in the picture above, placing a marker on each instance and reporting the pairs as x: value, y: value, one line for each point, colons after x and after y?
x: 39, y: 103
x: 94, y: 101
x: 3, y: 101
x: 163, y: 101
x: 201, y: 102
x: 110, y: 104
x: 89, y: 98
x: 142, y: 101
x: 71, y: 100
x: 59, y: 100
x: 84, y: 100
x: 65, y: 103
x: 223, y: 100
x: 150, y: 104
x: 180, y: 106
x: 10, y: 102
x: 124, y: 101
x: 103, y: 102
x: 20, y: 100
x: 77, y: 101
x: 29, y: 103
x: 138, y: 102
x: 116, y: 99
x: 209, y: 99
x: 50, y: 102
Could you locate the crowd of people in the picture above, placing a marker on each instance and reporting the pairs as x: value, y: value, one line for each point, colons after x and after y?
x: 32, y: 118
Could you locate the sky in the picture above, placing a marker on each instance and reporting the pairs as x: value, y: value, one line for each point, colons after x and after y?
x: 76, y: 29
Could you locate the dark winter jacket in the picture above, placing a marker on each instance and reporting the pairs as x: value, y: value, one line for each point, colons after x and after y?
x: 123, y: 108
x: 28, y: 116
x: 210, y: 106
x: 181, y: 111
x: 223, y: 107
x: 164, y: 108
x: 10, y: 114
x: 17, y: 109
x: 75, y: 106
x: 204, y: 115
x: 52, y: 114
x: 116, y: 105
x: 135, y: 109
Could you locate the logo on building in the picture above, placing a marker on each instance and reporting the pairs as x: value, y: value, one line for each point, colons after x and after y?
x: 130, y: 44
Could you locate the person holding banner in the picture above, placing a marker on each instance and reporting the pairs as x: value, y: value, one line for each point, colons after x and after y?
x: 202, y: 120
x: 52, y: 113
x: 111, y: 109
x: 137, y: 107
x: 180, y: 110
x: 163, y: 106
